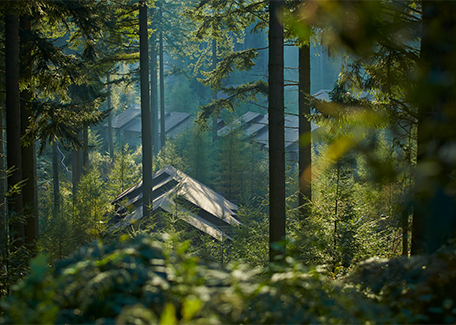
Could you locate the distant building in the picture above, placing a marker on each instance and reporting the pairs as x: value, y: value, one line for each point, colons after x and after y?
x: 255, y: 127
x: 175, y: 123
x: 124, y: 120
x: 128, y: 125
x: 197, y: 205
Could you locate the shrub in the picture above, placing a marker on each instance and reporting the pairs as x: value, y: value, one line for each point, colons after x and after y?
x: 140, y: 281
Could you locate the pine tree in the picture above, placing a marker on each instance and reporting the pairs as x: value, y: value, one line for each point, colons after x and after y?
x: 225, y: 23
x: 434, y: 223
x: 162, y: 78
x: 124, y: 172
x: 13, y: 128
x: 153, y: 81
x: 28, y: 153
x: 305, y: 143
x: 232, y: 164
x: 198, y: 155
x: 146, y: 135
x: 276, y: 130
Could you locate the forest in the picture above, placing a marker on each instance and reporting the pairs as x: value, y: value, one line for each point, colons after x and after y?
x: 227, y: 161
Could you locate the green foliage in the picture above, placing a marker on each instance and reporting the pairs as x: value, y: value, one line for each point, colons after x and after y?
x: 169, y: 156
x: 236, y: 96
x: 194, y: 146
x: 140, y: 281
x: 124, y: 172
x: 179, y: 95
x: 250, y: 244
x: 232, y: 164
x: 417, y: 289
x: 90, y: 208
x: 356, y: 207
x: 224, y: 24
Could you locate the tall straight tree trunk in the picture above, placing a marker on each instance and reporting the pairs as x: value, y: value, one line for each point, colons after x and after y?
x: 214, y: 65
x: 55, y: 178
x: 30, y: 193
x: 85, y: 150
x: 145, y: 111
x: 109, y: 104
x: 305, y: 144
x: 3, y: 214
x: 76, y: 160
x: 162, y: 83
x: 434, y: 219
x: 154, y: 85
x: 276, y: 130
x: 407, y: 209
x: 13, y: 126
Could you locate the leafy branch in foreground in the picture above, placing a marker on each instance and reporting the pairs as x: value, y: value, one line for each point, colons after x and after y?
x: 140, y: 281
x: 236, y: 96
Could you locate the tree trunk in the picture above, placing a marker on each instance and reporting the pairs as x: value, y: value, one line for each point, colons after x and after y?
x: 145, y: 111
x: 55, y: 176
x: 154, y: 86
x: 162, y: 83
x: 276, y: 130
x: 85, y: 150
x: 3, y: 211
x: 214, y: 66
x: 13, y: 127
x: 434, y: 220
x: 29, y: 190
x: 76, y: 160
x: 305, y: 144
x: 109, y: 104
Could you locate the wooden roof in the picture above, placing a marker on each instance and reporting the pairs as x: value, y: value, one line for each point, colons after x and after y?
x: 241, y: 122
x: 175, y: 122
x: 204, y: 209
x: 125, y: 117
x: 255, y: 127
x: 291, y: 133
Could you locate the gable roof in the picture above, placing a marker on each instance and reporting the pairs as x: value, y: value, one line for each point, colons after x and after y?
x: 175, y: 122
x: 291, y: 132
x: 125, y: 117
x: 255, y: 127
x: 241, y: 122
x: 203, y: 208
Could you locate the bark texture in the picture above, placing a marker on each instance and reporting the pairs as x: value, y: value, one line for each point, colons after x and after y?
x: 434, y: 221
x: 13, y: 127
x: 146, y: 133
x: 305, y: 145
x: 276, y: 130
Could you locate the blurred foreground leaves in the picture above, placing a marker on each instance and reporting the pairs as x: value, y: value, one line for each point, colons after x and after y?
x: 141, y: 282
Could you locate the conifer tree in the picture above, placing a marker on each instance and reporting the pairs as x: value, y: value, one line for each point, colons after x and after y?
x: 146, y: 133
x: 55, y: 176
x: 232, y: 165
x: 13, y: 128
x: 153, y: 81
x: 124, y: 172
x: 276, y: 130
x: 28, y: 152
x: 198, y: 155
x: 108, y: 104
x: 434, y: 222
x: 225, y: 23
x: 305, y: 144
x: 162, y: 78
